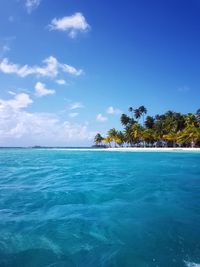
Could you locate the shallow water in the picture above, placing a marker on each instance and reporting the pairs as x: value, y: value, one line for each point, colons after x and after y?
x: 90, y: 208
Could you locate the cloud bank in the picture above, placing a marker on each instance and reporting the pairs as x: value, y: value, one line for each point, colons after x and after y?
x: 20, y: 127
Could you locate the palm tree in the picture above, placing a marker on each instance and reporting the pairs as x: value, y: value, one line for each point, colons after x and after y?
x: 149, y: 122
x: 137, y: 114
x: 143, y: 111
x: 112, y: 133
x: 119, y: 139
x: 173, y: 123
x: 148, y: 136
x: 136, y: 132
x: 170, y: 128
x: 107, y: 140
x: 125, y: 120
x: 98, y: 139
x: 131, y: 111
x: 191, y: 119
x: 159, y: 128
x: 190, y: 134
x: 172, y: 137
x: 128, y: 138
x: 180, y: 121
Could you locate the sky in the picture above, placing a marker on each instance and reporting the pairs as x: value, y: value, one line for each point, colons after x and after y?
x: 69, y: 68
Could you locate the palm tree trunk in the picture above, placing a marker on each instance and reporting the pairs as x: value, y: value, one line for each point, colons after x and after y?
x: 192, y: 144
x: 174, y: 143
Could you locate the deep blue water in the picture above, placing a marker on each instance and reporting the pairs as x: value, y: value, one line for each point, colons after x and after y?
x: 89, y: 208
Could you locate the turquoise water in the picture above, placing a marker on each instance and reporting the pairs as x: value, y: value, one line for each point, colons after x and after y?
x: 89, y: 208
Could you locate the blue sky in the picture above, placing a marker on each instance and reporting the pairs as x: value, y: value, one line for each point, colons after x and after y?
x: 68, y: 68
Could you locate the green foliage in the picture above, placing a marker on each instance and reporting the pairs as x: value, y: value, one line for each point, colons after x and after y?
x: 98, y: 139
x: 168, y: 129
x: 149, y: 122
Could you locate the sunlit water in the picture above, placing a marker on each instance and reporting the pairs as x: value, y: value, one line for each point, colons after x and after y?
x: 88, y: 208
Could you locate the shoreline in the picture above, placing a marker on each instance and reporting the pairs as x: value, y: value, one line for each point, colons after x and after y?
x: 114, y: 149
x: 129, y: 149
x: 155, y: 149
x: 132, y: 149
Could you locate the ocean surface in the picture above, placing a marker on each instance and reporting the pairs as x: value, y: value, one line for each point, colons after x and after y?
x: 88, y: 208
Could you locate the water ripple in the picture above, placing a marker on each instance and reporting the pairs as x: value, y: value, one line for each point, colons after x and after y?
x: 89, y: 208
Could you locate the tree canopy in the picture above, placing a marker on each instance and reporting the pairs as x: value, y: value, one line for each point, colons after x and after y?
x: 171, y: 129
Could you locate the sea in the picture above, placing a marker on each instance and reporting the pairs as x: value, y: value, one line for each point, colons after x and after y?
x: 89, y: 208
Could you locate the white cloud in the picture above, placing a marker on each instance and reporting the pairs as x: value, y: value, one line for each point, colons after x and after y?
x: 19, y: 127
x: 31, y: 5
x: 71, y: 24
x: 111, y: 110
x: 51, y: 67
x: 73, y: 114
x: 101, y: 118
x: 76, y: 105
x: 19, y: 101
x: 71, y: 70
x: 41, y: 90
x: 61, y: 82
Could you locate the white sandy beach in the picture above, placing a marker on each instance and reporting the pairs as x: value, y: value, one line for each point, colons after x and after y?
x: 131, y: 149
x: 154, y: 149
